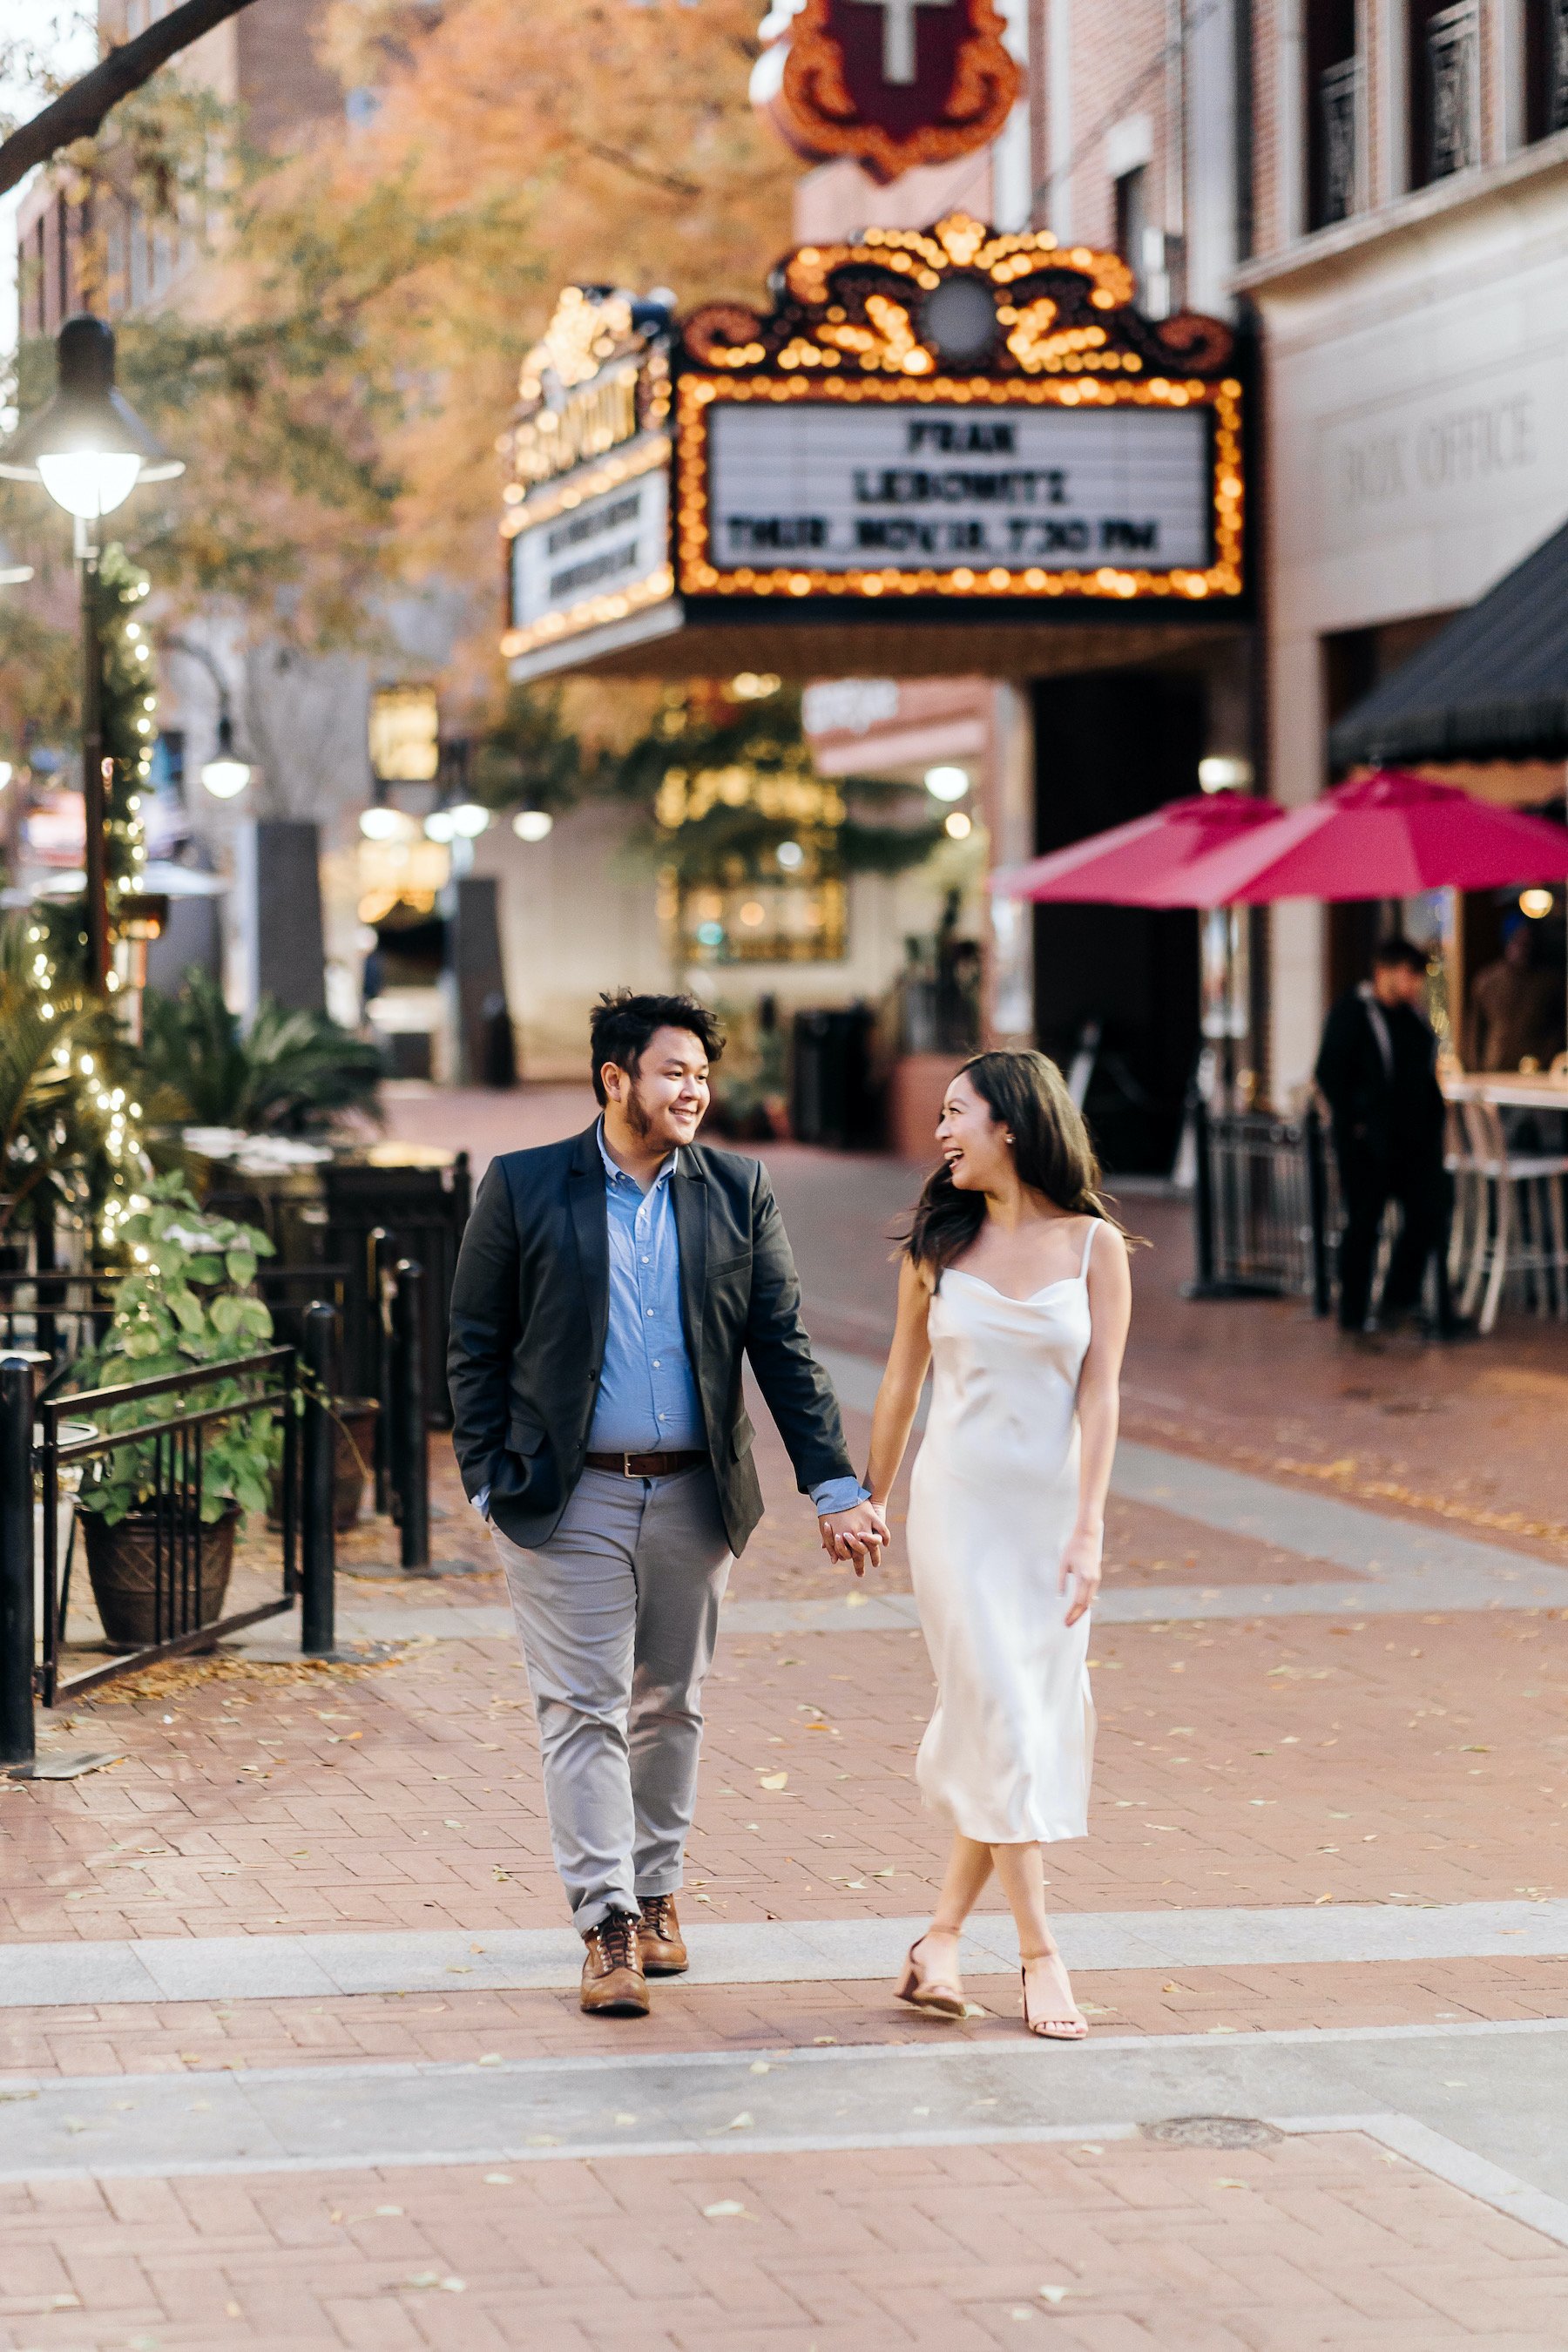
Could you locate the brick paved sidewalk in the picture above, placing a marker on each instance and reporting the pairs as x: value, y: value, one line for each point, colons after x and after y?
x: 1381, y: 1760
x: 1113, y: 2246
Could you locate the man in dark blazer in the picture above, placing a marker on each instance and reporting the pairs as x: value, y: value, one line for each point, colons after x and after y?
x: 1377, y: 1068
x: 608, y: 1290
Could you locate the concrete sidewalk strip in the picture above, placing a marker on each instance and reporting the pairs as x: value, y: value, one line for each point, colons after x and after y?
x: 765, y: 1952
x: 1493, y: 2092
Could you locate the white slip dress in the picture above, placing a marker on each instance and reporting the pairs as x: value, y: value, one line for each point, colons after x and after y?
x: 1007, y: 1754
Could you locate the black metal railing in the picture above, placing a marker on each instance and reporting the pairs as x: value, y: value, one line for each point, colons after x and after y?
x: 171, y: 1536
x: 56, y: 1312
x: 421, y: 1213
x: 51, y: 1442
x: 1264, y: 1206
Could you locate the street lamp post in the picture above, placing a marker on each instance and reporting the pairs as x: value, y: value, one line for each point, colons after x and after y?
x: 90, y: 449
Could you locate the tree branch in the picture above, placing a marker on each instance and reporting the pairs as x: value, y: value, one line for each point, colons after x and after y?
x: 78, y: 111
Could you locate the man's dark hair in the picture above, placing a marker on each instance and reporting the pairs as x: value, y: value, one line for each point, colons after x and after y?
x: 623, y: 1021
x: 1403, y: 952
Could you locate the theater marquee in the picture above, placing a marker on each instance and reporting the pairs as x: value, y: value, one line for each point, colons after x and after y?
x: 931, y: 424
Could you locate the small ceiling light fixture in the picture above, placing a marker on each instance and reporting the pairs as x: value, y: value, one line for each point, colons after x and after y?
x: 1223, y: 771
x: 790, y: 856
x: 385, y: 824
x: 533, y: 824
x: 469, y: 819
x: 958, y: 827
x: 440, y: 825
x: 1536, y: 904
x: 225, y: 775
x: 947, y: 783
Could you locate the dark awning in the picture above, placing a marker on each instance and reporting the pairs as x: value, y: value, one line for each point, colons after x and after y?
x: 1493, y: 684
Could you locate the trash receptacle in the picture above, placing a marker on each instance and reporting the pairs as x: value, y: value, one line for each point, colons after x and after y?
x: 832, y: 1096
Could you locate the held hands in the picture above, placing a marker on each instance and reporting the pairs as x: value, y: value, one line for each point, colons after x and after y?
x: 857, y: 1534
x: 1081, y: 1569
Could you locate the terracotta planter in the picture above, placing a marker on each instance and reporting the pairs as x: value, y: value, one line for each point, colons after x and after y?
x: 122, y: 1568
x: 353, y: 1460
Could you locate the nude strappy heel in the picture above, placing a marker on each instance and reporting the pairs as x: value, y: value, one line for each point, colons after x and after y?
x: 1047, y: 2030
x: 928, y: 1993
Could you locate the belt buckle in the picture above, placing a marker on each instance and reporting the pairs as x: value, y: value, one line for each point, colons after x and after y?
x: 626, y: 1470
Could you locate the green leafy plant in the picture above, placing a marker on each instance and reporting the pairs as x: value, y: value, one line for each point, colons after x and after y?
x: 187, y: 1305
x: 289, y: 1073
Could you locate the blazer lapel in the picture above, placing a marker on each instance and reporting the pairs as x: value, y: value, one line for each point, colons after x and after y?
x: 691, y: 1190
x: 585, y: 1193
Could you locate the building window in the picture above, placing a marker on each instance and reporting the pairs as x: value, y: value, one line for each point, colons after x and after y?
x: 1333, y: 113
x: 1445, y: 89
x: 1545, y: 67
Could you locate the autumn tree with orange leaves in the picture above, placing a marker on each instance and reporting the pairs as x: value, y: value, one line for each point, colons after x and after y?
x: 344, y: 362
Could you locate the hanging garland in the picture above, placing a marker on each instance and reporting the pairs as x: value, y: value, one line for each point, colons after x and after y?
x: 108, y: 1173
x: 130, y: 704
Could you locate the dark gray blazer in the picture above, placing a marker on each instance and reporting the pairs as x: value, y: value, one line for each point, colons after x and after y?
x: 530, y: 1307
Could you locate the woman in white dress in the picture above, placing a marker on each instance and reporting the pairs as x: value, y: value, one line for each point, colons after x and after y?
x: 1014, y: 1287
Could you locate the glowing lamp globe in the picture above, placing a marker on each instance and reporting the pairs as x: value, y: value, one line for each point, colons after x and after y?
x: 225, y: 775
x: 88, y: 448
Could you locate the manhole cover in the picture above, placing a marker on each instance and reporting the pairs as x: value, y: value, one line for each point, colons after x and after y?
x: 1211, y: 2131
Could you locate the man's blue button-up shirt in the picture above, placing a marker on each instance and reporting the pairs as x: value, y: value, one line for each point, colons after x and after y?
x: 648, y: 1400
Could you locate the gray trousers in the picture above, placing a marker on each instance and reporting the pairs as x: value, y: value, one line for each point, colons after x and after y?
x: 618, y: 1615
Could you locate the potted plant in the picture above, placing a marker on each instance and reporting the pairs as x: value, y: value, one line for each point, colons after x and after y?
x: 187, y: 1303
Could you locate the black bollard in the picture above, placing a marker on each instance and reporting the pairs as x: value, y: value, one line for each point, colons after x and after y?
x: 410, y: 1430
x: 16, y: 1630
x: 1202, y: 1197
x: 317, y: 1542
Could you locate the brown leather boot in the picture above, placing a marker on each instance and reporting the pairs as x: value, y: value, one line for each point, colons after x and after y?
x: 613, y: 1980
x: 660, y: 1943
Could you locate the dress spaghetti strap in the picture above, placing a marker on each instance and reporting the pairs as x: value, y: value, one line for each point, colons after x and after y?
x: 1087, y: 1246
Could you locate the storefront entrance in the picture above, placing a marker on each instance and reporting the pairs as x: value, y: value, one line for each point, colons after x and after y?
x: 1111, y: 746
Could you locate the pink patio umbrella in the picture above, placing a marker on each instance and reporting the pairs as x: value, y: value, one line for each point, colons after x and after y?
x: 1387, y: 837
x: 1148, y: 862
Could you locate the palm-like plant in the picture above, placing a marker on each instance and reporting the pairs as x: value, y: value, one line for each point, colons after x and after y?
x: 290, y: 1072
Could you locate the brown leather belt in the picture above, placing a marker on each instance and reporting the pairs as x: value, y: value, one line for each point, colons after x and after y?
x: 645, y: 1465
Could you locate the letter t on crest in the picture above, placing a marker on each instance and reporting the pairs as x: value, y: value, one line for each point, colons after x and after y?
x: 899, y: 35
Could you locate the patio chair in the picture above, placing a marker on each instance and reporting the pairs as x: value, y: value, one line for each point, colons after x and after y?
x: 1515, y: 1219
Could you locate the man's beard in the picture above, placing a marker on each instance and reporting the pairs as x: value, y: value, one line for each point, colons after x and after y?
x: 637, y: 1119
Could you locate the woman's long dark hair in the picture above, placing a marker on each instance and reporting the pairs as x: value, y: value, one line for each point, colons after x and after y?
x: 1051, y: 1150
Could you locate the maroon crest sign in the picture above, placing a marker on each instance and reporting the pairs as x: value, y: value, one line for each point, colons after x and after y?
x: 890, y: 83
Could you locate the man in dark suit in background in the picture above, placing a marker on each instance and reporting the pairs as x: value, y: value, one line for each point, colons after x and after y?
x: 1377, y: 1068
x: 608, y: 1291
